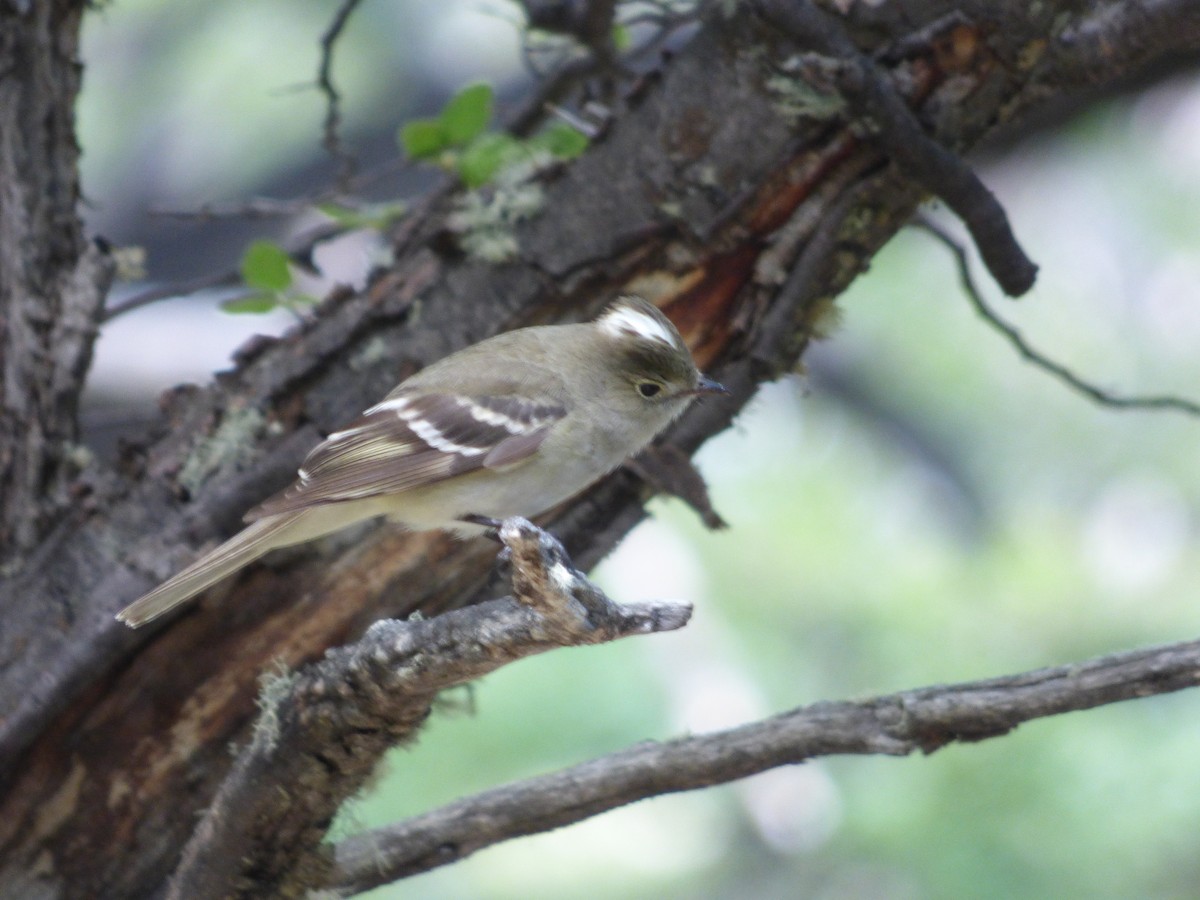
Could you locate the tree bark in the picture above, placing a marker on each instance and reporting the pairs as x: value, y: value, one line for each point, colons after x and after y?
x: 52, y: 281
x: 737, y: 194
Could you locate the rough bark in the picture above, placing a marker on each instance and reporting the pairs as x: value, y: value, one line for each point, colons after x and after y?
x: 321, y: 732
x: 52, y: 281
x: 724, y: 189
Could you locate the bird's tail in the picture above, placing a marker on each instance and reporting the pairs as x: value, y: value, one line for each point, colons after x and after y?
x: 240, y: 550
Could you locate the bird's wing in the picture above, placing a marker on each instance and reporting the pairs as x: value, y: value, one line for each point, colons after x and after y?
x: 411, y: 440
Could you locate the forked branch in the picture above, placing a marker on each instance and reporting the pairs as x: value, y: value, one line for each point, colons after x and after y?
x: 322, y: 730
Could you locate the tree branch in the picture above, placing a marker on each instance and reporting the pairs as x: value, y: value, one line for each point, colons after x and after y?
x: 300, y: 248
x: 52, y: 277
x: 870, y: 94
x: 325, y: 728
x: 1121, y: 37
x: 1029, y: 353
x: 898, y: 724
x: 333, y: 99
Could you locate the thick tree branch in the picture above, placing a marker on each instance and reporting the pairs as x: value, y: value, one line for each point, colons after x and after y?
x: 52, y: 279
x: 922, y: 720
x: 1119, y: 38
x: 869, y: 92
x: 322, y: 731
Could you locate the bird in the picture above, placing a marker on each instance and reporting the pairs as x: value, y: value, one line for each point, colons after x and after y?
x: 510, y: 426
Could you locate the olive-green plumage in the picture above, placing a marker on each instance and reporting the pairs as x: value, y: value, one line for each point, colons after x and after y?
x: 510, y: 426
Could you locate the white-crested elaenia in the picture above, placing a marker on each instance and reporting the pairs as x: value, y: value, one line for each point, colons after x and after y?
x: 510, y: 426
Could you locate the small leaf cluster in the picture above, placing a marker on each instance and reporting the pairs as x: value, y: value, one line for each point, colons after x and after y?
x: 267, y: 271
x: 457, y: 139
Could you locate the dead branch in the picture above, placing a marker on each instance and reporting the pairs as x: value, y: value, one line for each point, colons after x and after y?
x: 333, y: 99
x: 898, y: 724
x: 1034, y: 356
x: 322, y: 731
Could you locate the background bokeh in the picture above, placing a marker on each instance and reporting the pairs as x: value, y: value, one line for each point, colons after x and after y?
x: 921, y: 506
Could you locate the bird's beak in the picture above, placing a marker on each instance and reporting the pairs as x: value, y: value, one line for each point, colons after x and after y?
x: 707, y: 386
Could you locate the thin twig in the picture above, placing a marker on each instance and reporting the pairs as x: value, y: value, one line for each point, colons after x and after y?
x: 923, y: 720
x: 1027, y: 352
x: 300, y: 249
x: 333, y: 114
x: 254, y: 208
x: 592, y: 28
x: 170, y: 291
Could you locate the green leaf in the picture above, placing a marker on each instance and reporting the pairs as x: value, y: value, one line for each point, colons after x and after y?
x: 265, y: 266
x: 343, y: 215
x: 560, y: 140
x: 467, y: 114
x: 486, y: 156
x: 621, y: 38
x: 262, y: 302
x: 373, y: 215
x: 423, y: 138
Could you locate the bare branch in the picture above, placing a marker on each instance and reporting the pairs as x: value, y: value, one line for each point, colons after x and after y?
x: 300, y: 249
x: 548, y: 91
x: 587, y: 21
x: 871, y: 95
x: 1036, y: 357
x: 333, y: 113
x: 169, y: 291
x: 326, y: 727
x: 253, y: 208
x: 591, y: 25
x: 1140, y: 30
x: 671, y: 471
x: 922, y: 720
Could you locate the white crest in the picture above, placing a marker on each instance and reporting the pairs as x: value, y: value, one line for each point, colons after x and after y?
x: 621, y: 320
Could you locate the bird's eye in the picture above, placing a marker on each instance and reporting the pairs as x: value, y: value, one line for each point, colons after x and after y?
x: 648, y: 388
